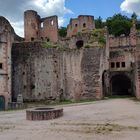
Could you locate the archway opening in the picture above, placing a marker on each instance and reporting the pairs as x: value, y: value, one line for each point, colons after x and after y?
x: 80, y: 44
x: 121, y: 85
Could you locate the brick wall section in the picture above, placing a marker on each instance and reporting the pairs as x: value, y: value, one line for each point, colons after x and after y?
x: 47, y: 72
x: 91, y: 67
x: 49, y: 29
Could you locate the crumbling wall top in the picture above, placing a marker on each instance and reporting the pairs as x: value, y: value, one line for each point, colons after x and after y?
x: 5, y: 25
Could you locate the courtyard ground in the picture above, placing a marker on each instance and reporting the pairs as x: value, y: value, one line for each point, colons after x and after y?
x: 113, y: 119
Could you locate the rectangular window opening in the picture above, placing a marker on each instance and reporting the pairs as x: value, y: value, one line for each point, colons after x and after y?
x: 118, y: 65
x: 123, y: 64
x: 112, y: 65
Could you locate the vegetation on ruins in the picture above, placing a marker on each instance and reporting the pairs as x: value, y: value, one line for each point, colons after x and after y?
x: 47, y: 44
x: 97, y: 38
x: 62, y: 31
x: 117, y: 24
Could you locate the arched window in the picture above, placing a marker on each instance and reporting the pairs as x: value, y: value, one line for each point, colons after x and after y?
x: 84, y: 25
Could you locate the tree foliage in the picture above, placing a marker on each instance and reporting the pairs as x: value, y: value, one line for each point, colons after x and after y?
x: 134, y: 16
x: 99, y: 23
x: 63, y: 32
x: 119, y: 24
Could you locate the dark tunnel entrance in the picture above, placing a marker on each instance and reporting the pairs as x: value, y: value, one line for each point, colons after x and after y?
x: 121, y: 85
x: 79, y: 44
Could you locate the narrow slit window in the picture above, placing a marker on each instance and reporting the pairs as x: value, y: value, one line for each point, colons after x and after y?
x: 42, y: 24
x: 52, y: 23
x: 1, y: 65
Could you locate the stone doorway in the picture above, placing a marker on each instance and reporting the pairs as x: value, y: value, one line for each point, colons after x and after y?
x: 2, y: 103
x: 121, y: 85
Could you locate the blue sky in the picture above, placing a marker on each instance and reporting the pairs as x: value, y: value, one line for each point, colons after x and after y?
x: 13, y: 10
x: 103, y: 8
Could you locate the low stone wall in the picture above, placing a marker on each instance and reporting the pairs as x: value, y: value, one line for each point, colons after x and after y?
x: 43, y: 114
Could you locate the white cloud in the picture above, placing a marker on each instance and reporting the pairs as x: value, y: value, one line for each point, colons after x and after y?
x: 51, y: 7
x: 61, y: 21
x: 131, y: 6
x: 13, y: 10
x: 18, y: 27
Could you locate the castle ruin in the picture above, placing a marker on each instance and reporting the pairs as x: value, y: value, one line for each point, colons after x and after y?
x: 82, y: 68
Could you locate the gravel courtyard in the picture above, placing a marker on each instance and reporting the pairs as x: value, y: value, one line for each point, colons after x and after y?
x: 113, y: 119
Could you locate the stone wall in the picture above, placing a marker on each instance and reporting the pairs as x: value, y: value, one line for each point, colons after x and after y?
x: 130, y: 41
x: 137, y: 71
x: 7, y: 36
x: 43, y: 73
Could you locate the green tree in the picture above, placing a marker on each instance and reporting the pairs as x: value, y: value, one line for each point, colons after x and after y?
x: 119, y: 24
x: 98, y: 23
x: 134, y: 16
x: 138, y: 24
x: 62, y: 32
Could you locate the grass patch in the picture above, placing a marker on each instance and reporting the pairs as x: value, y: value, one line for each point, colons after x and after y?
x: 4, y: 128
x: 118, y: 97
x: 135, y: 99
x: 107, y: 128
x: 57, y: 103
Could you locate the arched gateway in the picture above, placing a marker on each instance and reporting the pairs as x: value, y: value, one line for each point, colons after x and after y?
x: 121, y: 85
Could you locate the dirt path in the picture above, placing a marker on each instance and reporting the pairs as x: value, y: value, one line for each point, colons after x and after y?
x: 116, y: 119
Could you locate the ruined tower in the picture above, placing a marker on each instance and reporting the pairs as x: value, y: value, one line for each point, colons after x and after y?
x: 31, y: 25
x: 81, y: 24
x: 36, y: 28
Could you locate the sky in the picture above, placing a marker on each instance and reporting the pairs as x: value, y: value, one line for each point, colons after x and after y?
x: 65, y: 9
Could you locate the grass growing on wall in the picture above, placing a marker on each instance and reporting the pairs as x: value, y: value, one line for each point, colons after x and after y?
x: 49, y: 45
x: 99, y: 36
x: 97, y: 39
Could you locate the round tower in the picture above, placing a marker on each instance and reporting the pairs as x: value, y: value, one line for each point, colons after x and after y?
x: 31, y: 25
